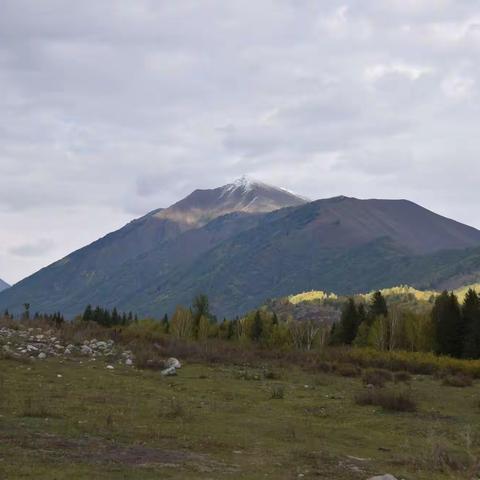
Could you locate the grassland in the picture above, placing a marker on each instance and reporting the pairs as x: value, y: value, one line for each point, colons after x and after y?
x: 72, y: 419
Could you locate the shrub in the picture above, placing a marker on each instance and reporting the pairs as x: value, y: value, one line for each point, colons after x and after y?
x: 422, y: 363
x: 277, y: 392
x: 325, y: 367
x: 271, y: 375
x: 388, y: 400
x: 348, y: 370
x: 377, y: 377
x: 402, y: 377
x: 147, y: 355
x: 459, y: 380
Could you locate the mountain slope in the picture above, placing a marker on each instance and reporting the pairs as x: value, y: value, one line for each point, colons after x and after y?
x: 341, y: 244
x: 3, y: 285
x: 91, y: 274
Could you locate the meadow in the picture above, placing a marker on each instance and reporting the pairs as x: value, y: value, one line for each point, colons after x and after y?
x: 235, y: 413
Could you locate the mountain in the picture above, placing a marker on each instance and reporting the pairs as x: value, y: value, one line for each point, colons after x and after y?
x: 91, y: 273
x: 245, y: 242
x: 3, y: 285
x: 244, y: 195
x: 341, y: 244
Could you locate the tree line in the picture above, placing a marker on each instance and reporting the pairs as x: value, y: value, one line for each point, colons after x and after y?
x: 106, y: 317
x: 450, y: 328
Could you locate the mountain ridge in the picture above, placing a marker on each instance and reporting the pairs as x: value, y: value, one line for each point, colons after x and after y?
x: 247, y: 241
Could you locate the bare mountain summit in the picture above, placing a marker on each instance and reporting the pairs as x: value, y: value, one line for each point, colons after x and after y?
x: 244, y: 195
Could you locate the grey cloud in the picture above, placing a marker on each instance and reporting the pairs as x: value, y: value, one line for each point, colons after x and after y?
x: 111, y: 109
x: 36, y: 249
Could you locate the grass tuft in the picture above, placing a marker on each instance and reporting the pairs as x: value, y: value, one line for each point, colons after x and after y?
x: 277, y: 392
x: 377, y: 377
x: 459, y: 380
x: 388, y: 400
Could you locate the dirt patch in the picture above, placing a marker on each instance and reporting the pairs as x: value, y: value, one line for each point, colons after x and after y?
x: 99, y: 451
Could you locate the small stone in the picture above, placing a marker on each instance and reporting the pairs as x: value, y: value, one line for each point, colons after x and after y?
x: 42, y: 355
x: 169, y: 372
x: 172, y: 362
x: 129, y: 362
x: 86, y: 350
x: 59, y: 375
x: 110, y: 367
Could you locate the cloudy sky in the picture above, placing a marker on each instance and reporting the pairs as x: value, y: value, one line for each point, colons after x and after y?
x: 111, y: 108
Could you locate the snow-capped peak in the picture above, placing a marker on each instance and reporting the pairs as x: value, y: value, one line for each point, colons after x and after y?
x: 245, y: 184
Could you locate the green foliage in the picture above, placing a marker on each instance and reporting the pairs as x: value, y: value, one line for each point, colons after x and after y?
x: 471, y: 319
x: 257, y: 327
x: 349, y: 322
x: 183, y: 324
x: 448, y: 324
x: 200, y: 310
x: 105, y: 317
x: 377, y: 307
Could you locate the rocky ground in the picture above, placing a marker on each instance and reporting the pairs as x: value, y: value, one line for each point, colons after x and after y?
x: 39, y: 344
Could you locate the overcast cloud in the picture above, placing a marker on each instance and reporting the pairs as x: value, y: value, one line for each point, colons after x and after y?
x: 111, y: 108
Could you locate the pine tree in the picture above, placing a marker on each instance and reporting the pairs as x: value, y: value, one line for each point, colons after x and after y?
x: 257, y: 327
x: 349, y: 322
x: 88, y: 314
x: 165, y: 324
x: 115, y: 318
x: 448, y: 323
x: 231, y: 329
x: 362, y: 314
x: 378, y: 307
x: 26, y: 312
x: 471, y: 321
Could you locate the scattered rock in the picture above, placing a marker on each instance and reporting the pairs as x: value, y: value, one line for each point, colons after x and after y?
x: 172, y: 363
x: 42, y: 343
x: 110, y: 367
x: 86, y: 350
x: 171, y: 366
x: 169, y: 372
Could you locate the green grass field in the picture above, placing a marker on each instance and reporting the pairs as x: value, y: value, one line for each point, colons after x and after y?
x: 62, y: 419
